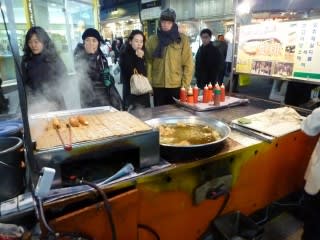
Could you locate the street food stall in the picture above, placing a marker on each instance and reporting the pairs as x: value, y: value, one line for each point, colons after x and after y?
x: 177, y: 197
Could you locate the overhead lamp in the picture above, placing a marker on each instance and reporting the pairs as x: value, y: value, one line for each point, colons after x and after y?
x: 243, y: 8
x: 114, y: 11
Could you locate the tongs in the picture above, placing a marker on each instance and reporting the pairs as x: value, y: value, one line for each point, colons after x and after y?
x: 251, y: 133
x: 68, y: 146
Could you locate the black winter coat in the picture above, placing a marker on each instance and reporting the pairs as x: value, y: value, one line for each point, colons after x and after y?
x: 91, y: 70
x: 128, y: 62
x: 43, y: 79
x: 209, y: 63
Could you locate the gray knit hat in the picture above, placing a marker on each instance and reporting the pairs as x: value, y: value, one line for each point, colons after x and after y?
x: 168, y: 15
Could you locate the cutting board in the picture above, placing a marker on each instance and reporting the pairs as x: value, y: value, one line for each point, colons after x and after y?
x: 275, y: 122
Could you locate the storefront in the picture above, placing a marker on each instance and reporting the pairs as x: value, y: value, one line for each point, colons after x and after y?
x: 118, y: 20
x: 63, y: 20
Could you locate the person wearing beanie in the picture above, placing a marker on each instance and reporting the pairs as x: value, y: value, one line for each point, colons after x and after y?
x: 91, y: 32
x: 97, y: 86
x: 169, y: 60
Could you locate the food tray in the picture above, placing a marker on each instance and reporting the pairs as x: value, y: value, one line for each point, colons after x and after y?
x: 104, y: 122
x: 199, y: 107
x: 275, y: 122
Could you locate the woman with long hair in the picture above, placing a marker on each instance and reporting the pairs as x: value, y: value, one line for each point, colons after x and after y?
x: 133, y: 58
x: 43, y: 71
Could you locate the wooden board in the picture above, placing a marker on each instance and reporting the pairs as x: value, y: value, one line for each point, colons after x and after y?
x: 102, y: 125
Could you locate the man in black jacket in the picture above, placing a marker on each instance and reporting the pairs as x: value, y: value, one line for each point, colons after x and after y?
x: 209, y: 60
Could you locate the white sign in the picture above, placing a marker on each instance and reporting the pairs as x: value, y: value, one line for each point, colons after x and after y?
x: 150, y: 13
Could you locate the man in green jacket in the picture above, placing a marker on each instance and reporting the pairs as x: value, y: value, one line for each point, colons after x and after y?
x: 169, y: 60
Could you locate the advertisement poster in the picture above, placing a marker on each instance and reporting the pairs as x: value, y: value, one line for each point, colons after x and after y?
x: 280, y: 49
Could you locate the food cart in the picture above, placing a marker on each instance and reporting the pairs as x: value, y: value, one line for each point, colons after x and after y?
x: 178, y: 201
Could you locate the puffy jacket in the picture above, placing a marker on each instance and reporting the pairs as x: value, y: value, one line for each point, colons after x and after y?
x: 175, y: 68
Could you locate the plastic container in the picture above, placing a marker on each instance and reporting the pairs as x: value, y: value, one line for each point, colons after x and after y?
x: 183, y: 94
x: 11, y: 170
x: 236, y: 226
x: 11, y: 128
x: 195, y: 94
x: 223, y: 93
x: 217, y: 93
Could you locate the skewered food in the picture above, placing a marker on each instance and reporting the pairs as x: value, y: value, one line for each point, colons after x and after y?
x: 74, y: 122
x: 56, y: 123
x: 83, y: 120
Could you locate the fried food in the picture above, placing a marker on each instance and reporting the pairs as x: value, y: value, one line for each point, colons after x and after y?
x: 82, y: 120
x: 56, y: 123
x: 74, y: 122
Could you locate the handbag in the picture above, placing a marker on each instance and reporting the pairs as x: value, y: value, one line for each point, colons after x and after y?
x: 139, y: 84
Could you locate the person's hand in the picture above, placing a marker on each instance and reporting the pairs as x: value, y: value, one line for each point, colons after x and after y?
x: 140, y: 53
x: 107, y: 78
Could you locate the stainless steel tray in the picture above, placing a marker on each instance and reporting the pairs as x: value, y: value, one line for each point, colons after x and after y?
x: 84, y: 111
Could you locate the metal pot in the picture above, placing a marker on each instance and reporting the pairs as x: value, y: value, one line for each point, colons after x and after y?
x: 191, y: 152
x: 11, y: 171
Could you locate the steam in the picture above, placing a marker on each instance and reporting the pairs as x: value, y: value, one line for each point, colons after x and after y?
x: 66, y: 88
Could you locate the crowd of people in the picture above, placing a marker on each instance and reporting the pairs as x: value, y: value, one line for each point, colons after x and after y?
x: 166, y: 59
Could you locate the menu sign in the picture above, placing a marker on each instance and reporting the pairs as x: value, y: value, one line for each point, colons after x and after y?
x: 280, y: 49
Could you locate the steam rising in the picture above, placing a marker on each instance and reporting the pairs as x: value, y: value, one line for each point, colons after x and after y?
x: 67, y: 87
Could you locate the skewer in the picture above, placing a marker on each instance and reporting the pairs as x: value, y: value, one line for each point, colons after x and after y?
x: 67, y: 147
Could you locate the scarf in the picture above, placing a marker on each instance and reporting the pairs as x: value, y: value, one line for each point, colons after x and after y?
x: 165, y: 38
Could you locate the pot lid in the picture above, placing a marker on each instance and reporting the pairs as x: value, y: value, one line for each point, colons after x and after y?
x: 10, y: 127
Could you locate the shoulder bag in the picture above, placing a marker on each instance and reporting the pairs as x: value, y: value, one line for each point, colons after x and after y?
x: 139, y: 84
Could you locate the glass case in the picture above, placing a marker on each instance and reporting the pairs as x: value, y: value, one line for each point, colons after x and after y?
x: 64, y: 21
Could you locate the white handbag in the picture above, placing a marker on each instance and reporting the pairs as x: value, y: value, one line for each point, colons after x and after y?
x: 139, y: 84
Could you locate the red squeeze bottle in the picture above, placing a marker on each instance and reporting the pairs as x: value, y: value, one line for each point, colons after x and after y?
x: 223, y: 93
x: 195, y: 93
x: 205, y: 94
x: 183, y: 94
x: 190, y: 95
x: 210, y: 95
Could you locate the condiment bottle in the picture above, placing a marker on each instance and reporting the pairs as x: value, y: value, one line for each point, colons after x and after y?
x: 195, y: 93
x: 183, y: 94
x: 210, y: 95
x: 217, y: 93
x: 223, y: 93
x: 205, y: 94
x: 190, y: 95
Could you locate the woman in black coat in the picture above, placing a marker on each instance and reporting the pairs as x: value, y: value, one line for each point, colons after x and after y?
x: 43, y: 72
x: 133, y: 58
x: 96, y: 84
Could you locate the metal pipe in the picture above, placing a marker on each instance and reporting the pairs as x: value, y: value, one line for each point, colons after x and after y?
x: 233, y: 63
x: 21, y: 90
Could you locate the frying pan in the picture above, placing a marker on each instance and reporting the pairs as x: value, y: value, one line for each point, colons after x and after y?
x: 191, y: 152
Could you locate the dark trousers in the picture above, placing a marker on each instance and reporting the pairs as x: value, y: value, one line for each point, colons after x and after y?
x: 311, y: 214
x: 163, y: 96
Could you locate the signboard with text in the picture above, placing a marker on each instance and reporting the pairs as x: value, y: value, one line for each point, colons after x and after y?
x: 280, y: 49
